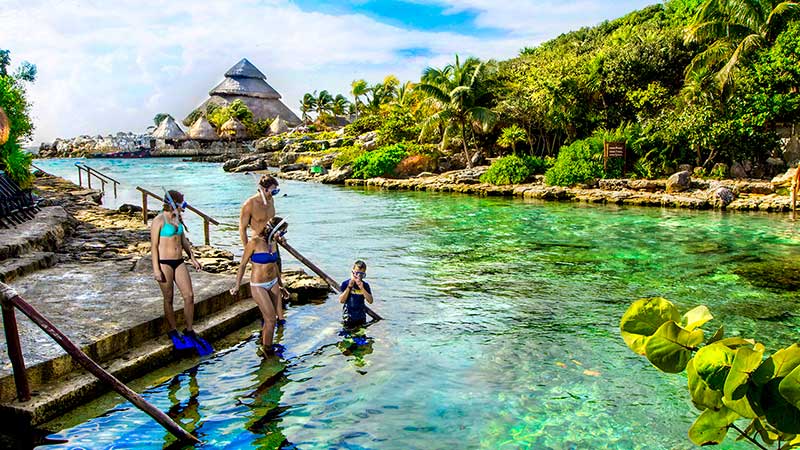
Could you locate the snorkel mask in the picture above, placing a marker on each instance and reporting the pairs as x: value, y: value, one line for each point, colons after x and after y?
x: 175, y: 207
x: 275, y: 230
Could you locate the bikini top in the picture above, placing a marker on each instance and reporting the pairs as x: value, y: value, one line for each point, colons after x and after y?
x: 264, y: 257
x: 169, y: 230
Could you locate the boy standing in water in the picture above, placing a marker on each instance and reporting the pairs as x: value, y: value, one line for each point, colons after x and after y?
x: 354, y: 292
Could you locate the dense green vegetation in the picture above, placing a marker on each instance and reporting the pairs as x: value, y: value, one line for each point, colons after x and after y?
x: 684, y: 82
x: 13, y: 160
x: 730, y: 379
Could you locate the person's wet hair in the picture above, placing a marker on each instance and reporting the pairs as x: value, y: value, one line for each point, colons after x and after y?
x: 176, y: 197
x: 272, y: 224
x: 267, y: 181
x: 361, y: 265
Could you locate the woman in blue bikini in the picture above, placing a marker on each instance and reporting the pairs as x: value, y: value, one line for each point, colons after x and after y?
x: 168, y: 242
x: 266, y: 286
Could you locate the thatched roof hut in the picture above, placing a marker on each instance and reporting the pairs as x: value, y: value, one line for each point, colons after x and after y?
x: 246, y: 83
x: 202, y: 130
x: 5, y: 127
x: 168, y: 130
x: 278, y: 126
x: 233, y: 129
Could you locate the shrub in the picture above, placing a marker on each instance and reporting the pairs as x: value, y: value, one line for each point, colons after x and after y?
x: 399, y: 126
x: 379, y: 162
x: 576, y: 163
x: 414, y: 165
x: 363, y: 124
x: 511, y: 136
x: 511, y: 170
x: 347, y: 155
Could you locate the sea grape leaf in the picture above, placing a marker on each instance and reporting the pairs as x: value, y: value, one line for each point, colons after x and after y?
x: 718, y: 335
x: 712, y: 426
x: 779, y: 413
x: 643, y: 318
x: 790, y: 387
x: 779, y: 365
x: 736, y: 342
x: 696, y: 317
x: 703, y: 397
x: 713, y: 362
x: 766, y: 431
x: 745, y: 361
x: 670, y: 348
x: 741, y: 407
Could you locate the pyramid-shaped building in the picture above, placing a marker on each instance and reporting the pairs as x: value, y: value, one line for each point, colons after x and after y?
x: 246, y: 83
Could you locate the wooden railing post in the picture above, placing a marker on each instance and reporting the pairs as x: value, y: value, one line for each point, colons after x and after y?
x: 89, y: 178
x: 80, y: 177
x: 103, y: 185
x: 115, y: 189
x: 10, y: 296
x: 206, y: 232
x: 15, y: 350
x: 144, y: 207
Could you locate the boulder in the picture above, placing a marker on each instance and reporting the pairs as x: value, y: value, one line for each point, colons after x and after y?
x: 684, y: 168
x: 786, y: 178
x: 647, y: 185
x: 254, y: 166
x: 721, y: 197
x: 611, y: 184
x: 774, y: 166
x: 678, y: 182
x: 337, y: 176
x: 293, y: 167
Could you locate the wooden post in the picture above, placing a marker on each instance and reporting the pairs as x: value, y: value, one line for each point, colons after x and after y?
x: 15, y: 350
x: 144, y: 207
x: 103, y: 185
x: 11, y: 296
x: 206, y: 231
x: 331, y: 282
x: 80, y: 178
x: 115, y: 189
x: 89, y: 178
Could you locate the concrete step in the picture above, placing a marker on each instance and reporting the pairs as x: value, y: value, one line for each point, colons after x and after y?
x: 78, y: 387
x: 25, y: 264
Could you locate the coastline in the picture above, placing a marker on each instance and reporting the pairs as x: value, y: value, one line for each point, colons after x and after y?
x: 700, y: 194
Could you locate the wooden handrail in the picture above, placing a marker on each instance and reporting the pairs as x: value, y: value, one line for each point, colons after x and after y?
x: 91, y: 171
x: 206, y: 218
x: 10, y: 300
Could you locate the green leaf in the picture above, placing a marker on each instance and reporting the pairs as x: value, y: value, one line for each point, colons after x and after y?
x: 779, y: 365
x: 718, y: 335
x: 746, y: 360
x: 712, y: 426
x: 713, y: 362
x: 781, y: 414
x: 643, y: 318
x: 703, y: 397
x: 790, y: 387
x: 671, y: 347
x: 696, y: 317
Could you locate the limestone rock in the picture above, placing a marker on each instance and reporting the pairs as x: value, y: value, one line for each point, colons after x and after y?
x: 293, y: 167
x: 721, y: 197
x: 786, y: 178
x: 678, y: 182
x: 647, y: 185
x: 337, y: 176
x: 685, y: 168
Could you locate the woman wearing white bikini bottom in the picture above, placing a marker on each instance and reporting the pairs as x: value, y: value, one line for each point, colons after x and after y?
x: 266, y: 286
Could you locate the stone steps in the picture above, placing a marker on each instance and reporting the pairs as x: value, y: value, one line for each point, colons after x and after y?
x: 60, y: 395
x: 25, y: 264
x: 45, y: 232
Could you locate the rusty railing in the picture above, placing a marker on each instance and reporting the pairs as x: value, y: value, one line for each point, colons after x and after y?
x: 97, y: 174
x: 207, y: 220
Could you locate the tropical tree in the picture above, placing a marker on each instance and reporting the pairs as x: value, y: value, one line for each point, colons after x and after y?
x: 340, y: 105
x: 160, y: 118
x: 510, y: 136
x: 733, y: 31
x: 459, y: 94
x: 323, y: 103
x: 358, y: 88
x: 307, y: 104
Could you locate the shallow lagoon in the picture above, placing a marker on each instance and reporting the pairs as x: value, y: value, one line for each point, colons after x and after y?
x: 502, y: 327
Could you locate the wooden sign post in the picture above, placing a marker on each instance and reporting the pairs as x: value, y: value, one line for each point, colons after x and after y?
x: 614, y: 150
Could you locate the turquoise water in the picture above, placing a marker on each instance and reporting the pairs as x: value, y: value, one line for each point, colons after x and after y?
x: 502, y: 320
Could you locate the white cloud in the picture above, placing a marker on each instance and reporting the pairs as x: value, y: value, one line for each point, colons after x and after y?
x: 107, y: 67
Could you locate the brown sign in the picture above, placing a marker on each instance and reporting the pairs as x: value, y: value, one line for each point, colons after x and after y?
x: 614, y: 150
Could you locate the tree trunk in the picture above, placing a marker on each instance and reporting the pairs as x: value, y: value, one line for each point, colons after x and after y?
x: 464, y: 143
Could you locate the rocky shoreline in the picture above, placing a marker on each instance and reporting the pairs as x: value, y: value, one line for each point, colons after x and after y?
x: 688, y: 192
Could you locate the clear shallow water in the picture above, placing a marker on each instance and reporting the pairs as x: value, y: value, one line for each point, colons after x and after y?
x: 502, y: 327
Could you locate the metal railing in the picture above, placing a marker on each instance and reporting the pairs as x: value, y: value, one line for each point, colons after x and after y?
x: 9, y: 300
x: 97, y: 174
x: 207, y: 220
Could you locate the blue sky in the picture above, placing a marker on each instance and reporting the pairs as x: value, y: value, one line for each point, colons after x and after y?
x: 111, y: 66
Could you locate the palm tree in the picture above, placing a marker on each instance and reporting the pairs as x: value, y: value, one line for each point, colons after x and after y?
x: 323, y: 102
x: 307, y: 104
x: 459, y: 94
x: 357, y: 89
x: 340, y: 105
x: 735, y: 30
x: 404, y: 93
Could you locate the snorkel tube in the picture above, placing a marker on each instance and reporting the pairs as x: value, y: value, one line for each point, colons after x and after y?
x: 275, y: 230
x: 174, y: 207
x: 260, y: 189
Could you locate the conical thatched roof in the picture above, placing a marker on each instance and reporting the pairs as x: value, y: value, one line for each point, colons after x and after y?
x: 246, y: 83
x: 278, y: 126
x: 202, y: 130
x: 168, y: 129
x: 233, y: 129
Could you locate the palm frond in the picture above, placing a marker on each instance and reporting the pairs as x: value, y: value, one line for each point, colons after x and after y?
x: 712, y: 57
x: 433, y: 91
x: 746, y: 47
x: 778, y: 15
x: 485, y: 117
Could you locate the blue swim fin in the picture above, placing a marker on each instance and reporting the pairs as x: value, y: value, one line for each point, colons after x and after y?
x: 178, y: 341
x: 201, y: 345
